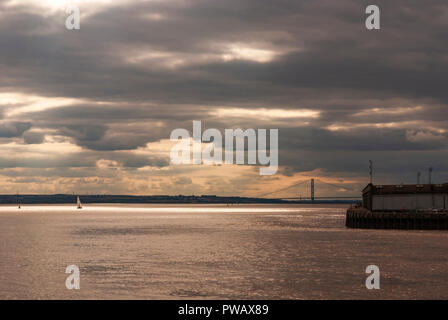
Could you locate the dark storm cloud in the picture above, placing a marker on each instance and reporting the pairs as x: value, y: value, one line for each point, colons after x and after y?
x: 33, y: 137
x: 323, y: 59
x: 331, y: 49
x: 13, y: 129
x: 359, y: 140
x: 390, y: 167
x: 111, y: 127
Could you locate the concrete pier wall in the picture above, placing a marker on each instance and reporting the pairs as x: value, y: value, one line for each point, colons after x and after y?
x: 365, y: 219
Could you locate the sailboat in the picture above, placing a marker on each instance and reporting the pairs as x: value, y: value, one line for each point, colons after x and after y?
x: 18, y: 201
x: 78, y: 202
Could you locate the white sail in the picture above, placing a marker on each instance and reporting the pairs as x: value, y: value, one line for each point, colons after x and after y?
x: 78, y: 201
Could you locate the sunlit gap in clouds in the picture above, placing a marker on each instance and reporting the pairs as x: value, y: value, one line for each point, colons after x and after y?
x: 245, y: 52
x: 19, y: 103
x: 48, y: 8
x: 58, y: 4
x: 211, y: 52
x: 172, y: 59
x: 389, y: 111
x: 349, y: 126
x: 263, y: 113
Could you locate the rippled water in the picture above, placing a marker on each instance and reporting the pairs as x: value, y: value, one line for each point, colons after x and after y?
x: 212, y: 251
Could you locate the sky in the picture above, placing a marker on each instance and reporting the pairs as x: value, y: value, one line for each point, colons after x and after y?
x: 90, y: 111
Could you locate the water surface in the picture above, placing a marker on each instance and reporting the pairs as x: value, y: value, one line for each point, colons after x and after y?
x: 212, y: 252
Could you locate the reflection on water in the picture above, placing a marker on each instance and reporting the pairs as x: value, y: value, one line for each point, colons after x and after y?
x: 212, y: 251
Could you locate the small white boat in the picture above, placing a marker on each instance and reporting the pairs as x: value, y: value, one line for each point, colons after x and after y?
x: 78, y: 202
x: 18, y: 202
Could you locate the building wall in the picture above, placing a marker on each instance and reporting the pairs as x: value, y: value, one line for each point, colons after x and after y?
x: 367, y: 200
x: 410, y: 201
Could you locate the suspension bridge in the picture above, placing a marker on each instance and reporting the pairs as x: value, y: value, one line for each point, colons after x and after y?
x: 312, y: 191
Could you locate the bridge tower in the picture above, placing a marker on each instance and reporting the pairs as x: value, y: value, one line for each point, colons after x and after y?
x: 312, y: 190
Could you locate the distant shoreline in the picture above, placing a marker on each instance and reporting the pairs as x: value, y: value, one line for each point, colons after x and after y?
x: 70, y: 199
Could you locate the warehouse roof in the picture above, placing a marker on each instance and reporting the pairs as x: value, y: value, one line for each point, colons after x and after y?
x: 406, y: 188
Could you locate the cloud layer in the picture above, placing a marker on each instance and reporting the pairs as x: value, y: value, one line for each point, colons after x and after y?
x: 92, y: 110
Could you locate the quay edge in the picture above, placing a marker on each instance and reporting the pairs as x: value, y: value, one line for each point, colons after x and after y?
x: 407, y: 220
